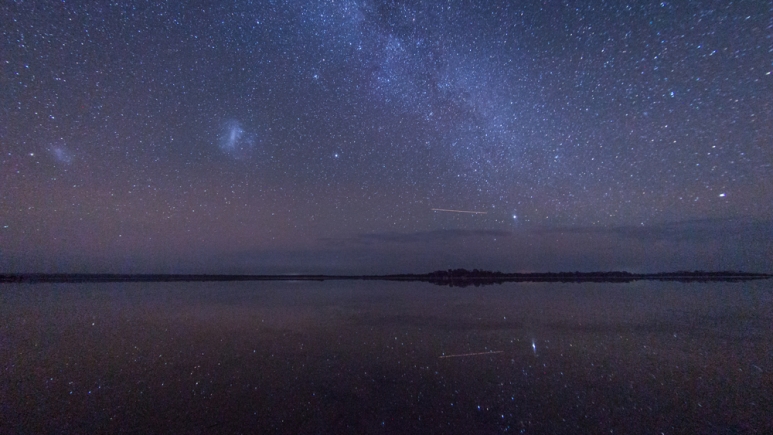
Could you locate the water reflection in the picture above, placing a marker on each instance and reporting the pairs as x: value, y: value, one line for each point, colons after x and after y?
x: 333, y: 357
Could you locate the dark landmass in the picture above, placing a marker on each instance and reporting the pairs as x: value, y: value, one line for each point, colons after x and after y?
x: 450, y: 277
x: 464, y: 278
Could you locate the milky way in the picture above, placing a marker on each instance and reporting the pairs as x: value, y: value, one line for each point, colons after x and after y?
x: 300, y: 129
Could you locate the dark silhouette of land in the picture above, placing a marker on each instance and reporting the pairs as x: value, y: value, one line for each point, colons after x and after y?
x: 450, y: 277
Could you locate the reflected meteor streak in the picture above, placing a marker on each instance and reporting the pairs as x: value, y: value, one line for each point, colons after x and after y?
x: 459, y: 211
x: 471, y: 354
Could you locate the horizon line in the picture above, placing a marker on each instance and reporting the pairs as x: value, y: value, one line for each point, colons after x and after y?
x: 449, y: 275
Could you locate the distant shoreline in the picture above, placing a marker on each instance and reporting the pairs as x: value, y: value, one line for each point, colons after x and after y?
x: 458, y: 277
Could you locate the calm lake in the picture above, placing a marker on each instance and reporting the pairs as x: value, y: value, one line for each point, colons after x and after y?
x: 386, y: 357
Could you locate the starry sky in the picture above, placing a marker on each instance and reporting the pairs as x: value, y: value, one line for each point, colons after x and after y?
x: 318, y: 136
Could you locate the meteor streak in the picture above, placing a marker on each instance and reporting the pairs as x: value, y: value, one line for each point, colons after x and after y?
x: 459, y: 211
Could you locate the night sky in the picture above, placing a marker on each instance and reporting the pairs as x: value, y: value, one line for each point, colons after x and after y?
x: 318, y: 137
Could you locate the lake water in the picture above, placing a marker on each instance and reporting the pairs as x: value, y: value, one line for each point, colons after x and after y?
x: 386, y: 357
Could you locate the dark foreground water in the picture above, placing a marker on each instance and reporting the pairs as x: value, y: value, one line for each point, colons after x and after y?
x: 365, y: 357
